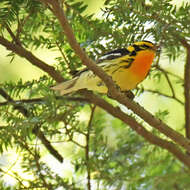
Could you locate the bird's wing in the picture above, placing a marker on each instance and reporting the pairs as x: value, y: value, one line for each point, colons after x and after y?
x: 105, y: 58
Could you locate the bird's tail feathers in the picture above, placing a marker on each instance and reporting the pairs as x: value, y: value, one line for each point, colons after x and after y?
x: 66, y: 87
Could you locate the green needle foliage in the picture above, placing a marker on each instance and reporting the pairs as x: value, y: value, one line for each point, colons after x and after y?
x: 45, y: 129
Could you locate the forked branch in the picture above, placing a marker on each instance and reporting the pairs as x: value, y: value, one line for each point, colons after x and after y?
x: 113, y: 91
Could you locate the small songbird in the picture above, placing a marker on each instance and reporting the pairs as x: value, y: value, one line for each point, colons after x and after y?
x: 127, y: 67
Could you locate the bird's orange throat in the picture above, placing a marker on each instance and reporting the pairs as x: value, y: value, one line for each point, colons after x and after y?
x: 142, y: 63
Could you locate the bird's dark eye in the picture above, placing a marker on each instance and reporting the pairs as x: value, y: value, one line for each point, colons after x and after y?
x: 137, y: 48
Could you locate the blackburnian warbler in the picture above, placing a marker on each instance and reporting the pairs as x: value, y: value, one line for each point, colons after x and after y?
x: 127, y: 67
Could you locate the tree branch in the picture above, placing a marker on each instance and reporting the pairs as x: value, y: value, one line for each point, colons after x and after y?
x: 87, y: 149
x: 116, y: 112
x: 16, y: 40
x: 31, y: 58
x: 15, y: 176
x: 70, y: 135
x: 46, y: 184
x: 42, y: 99
x: 154, y: 122
x: 170, y: 84
x: 187, y: 89
x: 10, y: 100
x: 168, y: 72
x: 36, y: 129
x: 58, y: 11
x: 63, y: 55
x: 89, y: 97
x: 113, y: 91
x: 162, y: 94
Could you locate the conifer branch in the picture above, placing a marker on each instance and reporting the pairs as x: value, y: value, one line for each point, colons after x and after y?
x: 116, y: 112
x: 113, y: 91
x: 19, y: 50
x: 36, y: 129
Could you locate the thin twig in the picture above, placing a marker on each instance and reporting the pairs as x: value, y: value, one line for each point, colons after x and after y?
x: 63, y: 55
x: 71, y: 136
x: 15, y: 176
x: 41, y: 175
x: 164, y: 95
x: 76, y: 143
x: 21, y: 24
x: 187, y: 90
x: 88, y: 147
x: 168, y: 72
x: 170, y: 85
x: 41, y: 100
x: 61, y: 50
x: 15, y: 39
